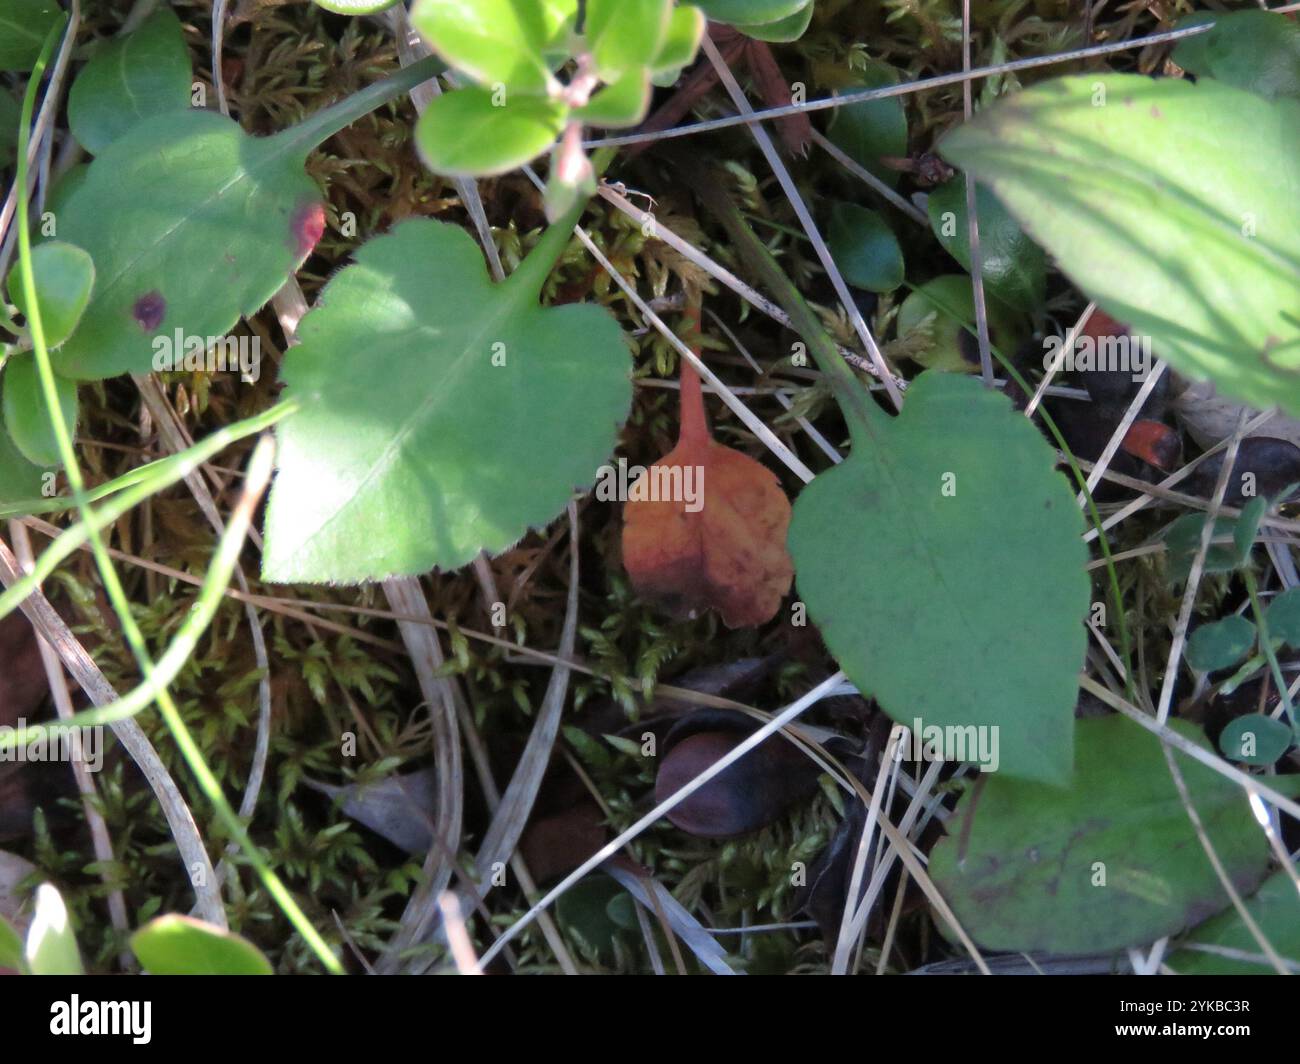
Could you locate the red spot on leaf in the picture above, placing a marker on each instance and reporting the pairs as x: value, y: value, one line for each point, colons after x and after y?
x: 149, y: 309
x: 308, y: 226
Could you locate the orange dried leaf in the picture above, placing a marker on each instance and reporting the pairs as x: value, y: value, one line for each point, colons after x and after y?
x: 723, y: 548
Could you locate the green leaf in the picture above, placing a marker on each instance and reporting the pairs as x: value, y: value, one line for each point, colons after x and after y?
x: 11, y: 947
x: 1111, y: 862
x: 681, y: 42
x: 51, y: 947
x: 623, y: 103
x: 128, y: 79
x: 1014, y: 267
x: 1273, y: 908
x: 975, y: 561
x: 1283, y: 617
x: 26, y: 415
x: 192, y: 223
x: 10, y: 116
x: 24, y: 25
x: 493, y: 41
x: 1220, y: 644
x: 180, y: 945
x: 626, y: 34
x: 1162, y: 201
x: 355, y: 7
x: 864, y: 248
x: 65, y: 277
x: 1255, y: 739
x: 1183, y: 540
x: 466, y: 132
x: 1258, y: 51
x: 441, y: 414
x: 750, y: 12
x: 945, y: 306
x: 872, y: 129
x: 782, y: 31
x: 19, y: 478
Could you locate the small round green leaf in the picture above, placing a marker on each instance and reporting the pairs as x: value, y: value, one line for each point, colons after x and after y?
x: 143, y: 74
x: 496, y: 42
x: 864, y: 248
x: 1255, y: 739
x: 180, y: 945
x: 1220, y: 644
x: 469, y: 133
x: 64, y: 276
x: 625, y: 34
x: 685, y: 28
x: 26, y: 415
x: 1014, y: 267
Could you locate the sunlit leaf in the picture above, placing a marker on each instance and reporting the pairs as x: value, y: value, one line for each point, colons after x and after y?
x: 65, y: 277
x: 468, y: 132
x: 51, y: 947
x: 493, y: 41
x: 181, y: 945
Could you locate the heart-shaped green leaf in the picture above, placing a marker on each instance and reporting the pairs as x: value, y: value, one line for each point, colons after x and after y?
x: 1258, y: 51
x: 1255, y: 739
x: 1162, y: 200
x: 864, y: 248
x: 1111, y: 862
x: 1220, y: 643
x: 24, y: 25
x: 143, y: 74
x: 27, y: 417
x: 1014, y: 267
x: 1273, y: 908
x: 441, y: 414
x: 182, y: 945
x: 947, y: 536
x: 65, y: 277
x: 192, y: 223
x: 1183, y: 540
x: 493, y: 41
x: 478, y: 132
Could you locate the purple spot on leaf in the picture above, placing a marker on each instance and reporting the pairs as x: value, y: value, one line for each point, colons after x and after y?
x: 149, y: 310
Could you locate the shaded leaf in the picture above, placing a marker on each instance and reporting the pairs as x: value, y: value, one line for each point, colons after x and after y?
x: 1283, y: 617
x: 1273, y: 907
x: 1258, y: 51
x: 64, y: 278
x: 1162, y: 201
x: 873, y: 129
x: 1014, y: 267
x: 26, y: 416
x: 1255, y: 739
x: 864, y: 248
x: 783, y: 30
x: 19, y: 478
x: 24, y: 25
x: 975, y: 558
x: 750, y: 12
x: 442, y: 415
x: 130, y: 78
x: 400, y: 807
x: 1183, y: 540
x: 1220, y: 643
x: 181, y: 945
x: 1111, y: 862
